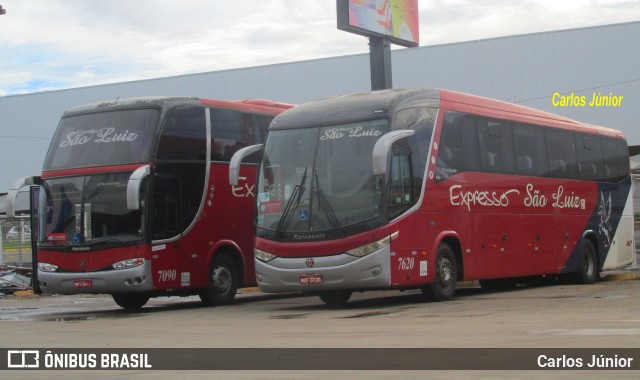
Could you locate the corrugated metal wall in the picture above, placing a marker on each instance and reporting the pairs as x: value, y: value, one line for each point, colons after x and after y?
x: 525, y: 69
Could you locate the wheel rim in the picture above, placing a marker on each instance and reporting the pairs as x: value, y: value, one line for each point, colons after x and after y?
x: 445, y: 275
x: 222, y: 279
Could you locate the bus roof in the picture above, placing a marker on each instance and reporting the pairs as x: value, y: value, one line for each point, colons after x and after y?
x: 375, y: 104
x: 358, y: 106
x: 254, y: 105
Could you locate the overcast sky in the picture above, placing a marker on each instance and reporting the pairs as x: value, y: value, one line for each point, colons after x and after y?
x: 56, y: 44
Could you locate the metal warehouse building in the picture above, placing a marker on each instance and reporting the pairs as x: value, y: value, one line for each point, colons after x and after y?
x: 526, y: 69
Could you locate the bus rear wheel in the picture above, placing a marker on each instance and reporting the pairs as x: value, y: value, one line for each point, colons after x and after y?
x: 335, y: 298
x: 588, y: 273
x: 443, y: 286
x: 223, y: 282
x: 131, y: 301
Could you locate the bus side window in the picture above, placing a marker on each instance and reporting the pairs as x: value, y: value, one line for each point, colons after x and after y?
x: 421, y: 120
x: 400, y: 194
x: 496, y: 146
x: 233, y: 130
x: 530, y: 150
x: 589, y: 152
x: 183, y: 135
x: 562, y: 154
x: 616, y: 159
x: 229, y: 133
x: 166, y: 207
x: 457, y: 152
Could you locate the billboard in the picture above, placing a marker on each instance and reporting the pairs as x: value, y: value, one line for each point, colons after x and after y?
x: 396, y: 20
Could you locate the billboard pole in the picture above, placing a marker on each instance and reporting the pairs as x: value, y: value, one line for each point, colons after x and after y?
x: 384, y: 22
x: 380, y: 63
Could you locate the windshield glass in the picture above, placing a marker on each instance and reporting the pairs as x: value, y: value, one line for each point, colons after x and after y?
x: 103, y: 138
x: 89, y: 209
x: 319, y: 179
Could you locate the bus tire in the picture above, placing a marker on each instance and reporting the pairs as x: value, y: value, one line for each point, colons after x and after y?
x: 224, y: 278
x: 443, y: 286
x: 588, y: 273
x: 335, y: 298
x: 131, y: 301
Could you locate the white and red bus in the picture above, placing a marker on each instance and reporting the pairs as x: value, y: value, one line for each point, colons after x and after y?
x: 402, y: 189
x: 135, y: 200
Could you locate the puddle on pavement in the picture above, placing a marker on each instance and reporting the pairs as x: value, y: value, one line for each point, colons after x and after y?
x: 370, y: 314
x: 290, y: 316
x: 590, y: 332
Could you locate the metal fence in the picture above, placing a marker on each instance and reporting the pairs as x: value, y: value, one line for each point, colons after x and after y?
x: 15, y: 241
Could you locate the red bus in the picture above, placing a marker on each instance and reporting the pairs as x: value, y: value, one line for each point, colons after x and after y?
x: 135, y: 201
x: 416, y: 188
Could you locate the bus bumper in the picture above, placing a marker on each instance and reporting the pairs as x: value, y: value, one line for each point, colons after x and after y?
x: 326, y: 273
x: 136, y: 279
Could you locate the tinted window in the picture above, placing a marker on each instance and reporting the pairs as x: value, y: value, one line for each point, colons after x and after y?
x: 616, y: 159
x: 422, y: 121
x: 103, y: 138
x: 180, y: 172
x: 496, y: 146
x: 562, y: 154
x: 458, y: 150
x: 233, y: 130
x: 183, y: 135
x: 589, y: 153
x: 470, y: 142
x: 530, y: 150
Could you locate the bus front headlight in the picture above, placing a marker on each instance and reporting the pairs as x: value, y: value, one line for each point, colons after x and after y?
x: 263, y: 256
x: 126, y: 264
x: 44, y: 267
x: 369, y: 248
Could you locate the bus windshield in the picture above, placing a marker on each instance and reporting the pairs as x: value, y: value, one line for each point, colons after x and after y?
x: 331, y: 185
x: 103, y: 138
x: 89, y: 209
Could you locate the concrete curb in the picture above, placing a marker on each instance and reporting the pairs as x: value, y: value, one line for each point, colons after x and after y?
x: 625, y: 276
x: 24, y: 293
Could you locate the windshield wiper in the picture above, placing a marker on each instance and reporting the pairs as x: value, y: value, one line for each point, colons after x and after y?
x: 326, y: 206
x: 113, y: 239
x: 297, y: 193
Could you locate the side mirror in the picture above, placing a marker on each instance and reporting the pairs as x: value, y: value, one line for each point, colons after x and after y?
x: 13, y: 193
x: 236, y: 160
x: 382, y: 148
x: 133, y: 186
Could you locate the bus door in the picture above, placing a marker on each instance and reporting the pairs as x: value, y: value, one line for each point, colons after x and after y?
x: 165, y: 224
x: 180, y: 177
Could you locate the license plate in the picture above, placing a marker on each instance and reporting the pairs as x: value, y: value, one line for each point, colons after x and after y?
x: 83, y: 283
x: 307, y: 279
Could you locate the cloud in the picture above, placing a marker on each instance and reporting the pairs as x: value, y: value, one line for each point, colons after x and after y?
x: 47, y: 44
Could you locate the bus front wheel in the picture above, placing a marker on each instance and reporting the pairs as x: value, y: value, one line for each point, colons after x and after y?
x: 443, y: 286
x: 131, y: 300
x: 223, y: 282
